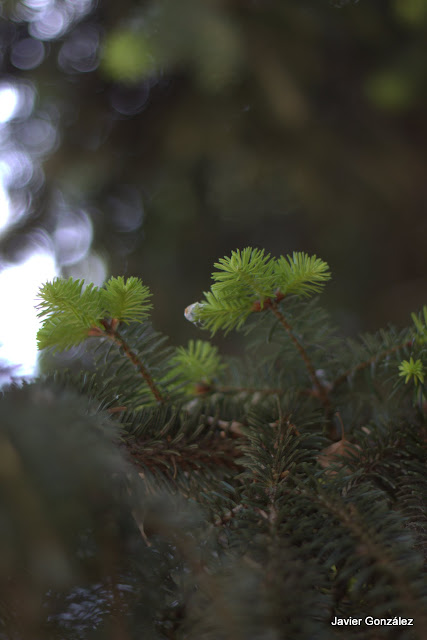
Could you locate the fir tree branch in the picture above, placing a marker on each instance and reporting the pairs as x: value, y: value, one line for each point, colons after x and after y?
x: 217, y: 452
x: 228, y: 516
x: 113, y: 335
x: 322, y: 391
x: 371, y: 548
x: 209, y: 585
x: 364, y: 365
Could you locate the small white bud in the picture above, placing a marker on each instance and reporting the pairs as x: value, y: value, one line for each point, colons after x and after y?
x: 191, y: 313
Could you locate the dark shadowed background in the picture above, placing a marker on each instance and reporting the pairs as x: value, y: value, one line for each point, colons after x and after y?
x: 150, y: 138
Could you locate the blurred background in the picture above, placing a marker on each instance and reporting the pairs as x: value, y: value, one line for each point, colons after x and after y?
x: 150, y: 138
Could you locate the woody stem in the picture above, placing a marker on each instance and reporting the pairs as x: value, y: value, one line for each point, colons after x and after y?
x: 113, y: 335
x: 321, y: 390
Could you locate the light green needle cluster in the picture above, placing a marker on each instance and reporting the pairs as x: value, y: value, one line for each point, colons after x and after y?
x: 198, y: 363
x: 420, y: 322
x: 127, y: 301
x: 301, y: 274
x: 71, y: 310
x: 248, y: 274
x: 412, y: 370
x: 250, y: 277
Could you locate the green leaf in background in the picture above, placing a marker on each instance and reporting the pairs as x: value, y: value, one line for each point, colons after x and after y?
x: 127, y: 56
x: 413, y: 12
x: 390, y: 89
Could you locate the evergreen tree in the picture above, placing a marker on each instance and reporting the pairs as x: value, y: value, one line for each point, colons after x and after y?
x: 173, y: 494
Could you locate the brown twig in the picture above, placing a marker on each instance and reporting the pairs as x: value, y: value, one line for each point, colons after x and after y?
x: 215, y: 452
x: 322, y: 391
x: 110, y: 331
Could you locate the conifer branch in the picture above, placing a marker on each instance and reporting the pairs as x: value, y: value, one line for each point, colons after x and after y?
x: 112, y: 333
x: 322, y: 391
x: 207, y: 583
x: 217, y: 452
x: 248, y: 281
x: 366, y: 363
x: 370, y: 547
x: 228, y: 516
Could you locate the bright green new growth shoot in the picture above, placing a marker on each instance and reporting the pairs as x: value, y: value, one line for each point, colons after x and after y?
x: 72, y: 313
x: 126, y: 301
x: 301, y: 275
x: 412, y: 370
x: 251, y: 280
x: 69, y: 312
x: 196, y: 365
x: 247, y: 282
x: 420, y: 322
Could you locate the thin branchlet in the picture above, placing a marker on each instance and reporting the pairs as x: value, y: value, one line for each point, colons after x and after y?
x: 112, y: 334
x: 322, y: 391
x: 367, y: 363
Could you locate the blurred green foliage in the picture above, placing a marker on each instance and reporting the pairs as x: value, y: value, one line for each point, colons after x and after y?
x: 127, y: 56
x: 188, y: 129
